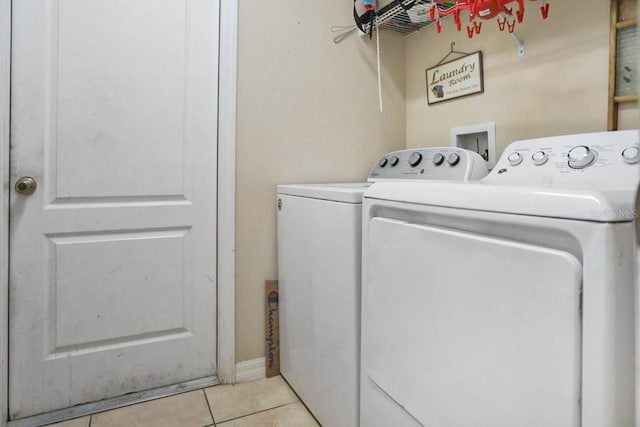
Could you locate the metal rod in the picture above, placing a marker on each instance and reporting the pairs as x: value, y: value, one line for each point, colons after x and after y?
x: 520, y: 43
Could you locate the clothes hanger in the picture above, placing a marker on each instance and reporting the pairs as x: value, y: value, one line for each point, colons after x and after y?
x: 451, y: 52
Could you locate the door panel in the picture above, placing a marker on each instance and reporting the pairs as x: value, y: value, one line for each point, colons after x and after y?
x: 133, y: 264
x: 465, y: 330
x: 105, y: 103
x: 112, y: 272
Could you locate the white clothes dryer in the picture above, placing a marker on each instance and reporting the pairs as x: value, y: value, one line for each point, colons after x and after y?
x: 319, y: 265
x: 505, y: 302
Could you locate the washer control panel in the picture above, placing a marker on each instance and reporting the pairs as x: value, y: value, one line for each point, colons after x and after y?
x: 444, y: 163
x: 600, y: 158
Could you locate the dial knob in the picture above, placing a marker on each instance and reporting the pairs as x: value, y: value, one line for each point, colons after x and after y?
x: 383, y: 162
x: 438, y: 159
x: 453, y: 159
x: 539, y: 158
x: 393, y: 160
x: 631, y: 155
x: 515, y: 158
x: 581, y: 156
x: 415, y: 158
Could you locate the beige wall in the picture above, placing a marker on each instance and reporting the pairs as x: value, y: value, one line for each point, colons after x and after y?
x: 307, y: 111
x: 558, y: 87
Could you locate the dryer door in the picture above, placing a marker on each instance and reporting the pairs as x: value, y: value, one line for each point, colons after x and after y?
x: 464, y: 330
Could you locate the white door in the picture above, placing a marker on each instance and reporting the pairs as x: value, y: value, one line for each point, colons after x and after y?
x: 113, y: 257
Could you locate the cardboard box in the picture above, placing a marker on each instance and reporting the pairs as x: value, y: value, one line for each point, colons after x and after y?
x: 272, y: 332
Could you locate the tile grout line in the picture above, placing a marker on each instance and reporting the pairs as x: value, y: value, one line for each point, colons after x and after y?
x: 301, y: 401
x: 209, y: 406
x: 298, y: 400
x: 261, y: 411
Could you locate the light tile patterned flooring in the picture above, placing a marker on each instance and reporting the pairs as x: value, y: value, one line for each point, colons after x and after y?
x: 265, y: 403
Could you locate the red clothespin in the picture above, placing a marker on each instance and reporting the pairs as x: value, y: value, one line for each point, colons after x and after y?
x: 432, y: 13
x: 544, y: 9
x: 520, y: 13
x: 511, y: 26
x: 438, y: 26
x: 456, y: 18
x: 477, y: 26
x: 470, y: 31
x: 501, y: 23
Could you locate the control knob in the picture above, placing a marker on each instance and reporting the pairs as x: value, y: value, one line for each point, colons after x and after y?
x: 453, y: 159
x: 393, y: 160
x: 438, y: 159
x: 539, y: 158
x: 631, y: 155
x: 581, y: 156
x: 515, y: 158
x: 415, y: 158
x: 383, y: 162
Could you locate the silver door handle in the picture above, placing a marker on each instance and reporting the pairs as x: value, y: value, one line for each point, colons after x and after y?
x: 26, y: 186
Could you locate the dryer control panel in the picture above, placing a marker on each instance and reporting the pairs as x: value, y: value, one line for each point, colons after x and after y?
x: 593, y: 160
x: 442, y: 163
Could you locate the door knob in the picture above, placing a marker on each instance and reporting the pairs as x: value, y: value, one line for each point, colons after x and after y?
x: 26, y: 186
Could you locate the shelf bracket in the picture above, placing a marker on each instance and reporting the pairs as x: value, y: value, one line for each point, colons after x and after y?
x: 519, y: 42
x: 502, y: 16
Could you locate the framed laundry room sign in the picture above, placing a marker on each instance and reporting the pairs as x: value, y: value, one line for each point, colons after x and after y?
x: 455, y: 79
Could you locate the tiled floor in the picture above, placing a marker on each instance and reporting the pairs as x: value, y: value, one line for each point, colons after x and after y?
x: 264, y: 403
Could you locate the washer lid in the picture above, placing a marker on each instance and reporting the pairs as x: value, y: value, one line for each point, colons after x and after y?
x: 602, y: 205
x: 343, y: 192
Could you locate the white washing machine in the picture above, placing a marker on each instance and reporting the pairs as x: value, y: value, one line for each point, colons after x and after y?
x: 506, y: 302
x: 319, y: 265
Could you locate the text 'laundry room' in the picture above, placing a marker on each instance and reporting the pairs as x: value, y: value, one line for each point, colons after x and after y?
x: 341, y: 213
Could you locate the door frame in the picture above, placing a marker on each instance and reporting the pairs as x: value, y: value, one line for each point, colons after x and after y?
x: 226, y: 195
x: 226, y: 262
x: 5, y: 105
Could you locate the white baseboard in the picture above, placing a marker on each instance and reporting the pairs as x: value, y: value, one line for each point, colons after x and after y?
x: 251, y: 370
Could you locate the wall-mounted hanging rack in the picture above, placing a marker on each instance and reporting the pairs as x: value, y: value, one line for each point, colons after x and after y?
x: 407, y: 16
x: 404, y: 16
x: 399, y: 16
